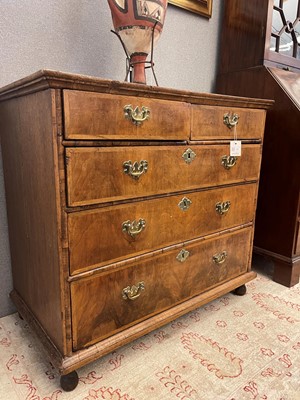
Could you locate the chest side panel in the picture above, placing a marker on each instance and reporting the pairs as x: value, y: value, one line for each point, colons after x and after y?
x: 31, y: 182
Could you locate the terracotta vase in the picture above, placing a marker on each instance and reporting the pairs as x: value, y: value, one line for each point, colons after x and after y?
x: 137, y: 22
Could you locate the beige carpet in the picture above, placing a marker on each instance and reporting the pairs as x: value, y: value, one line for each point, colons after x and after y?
x: 234, y: 348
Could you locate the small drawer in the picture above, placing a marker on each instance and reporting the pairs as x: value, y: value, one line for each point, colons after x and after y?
x: 99, y: 175
x: 93, y: 116
x: 209, y: 123
x: 109, y: 234
x: 109, y: 302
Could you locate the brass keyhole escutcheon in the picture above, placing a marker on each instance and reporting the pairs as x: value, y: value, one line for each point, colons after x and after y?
x: 185, y: 204
x: 189, y: 155
x: 183, y: 255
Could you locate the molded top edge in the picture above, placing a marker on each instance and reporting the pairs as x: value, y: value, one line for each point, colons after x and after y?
x: 47, y: 79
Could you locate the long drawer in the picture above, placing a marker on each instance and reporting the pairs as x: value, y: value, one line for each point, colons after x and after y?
x: 98, y: 175
x: 110, y: 302
x: 89, y: 115
x: 109, y: 234
x: 211, y: 123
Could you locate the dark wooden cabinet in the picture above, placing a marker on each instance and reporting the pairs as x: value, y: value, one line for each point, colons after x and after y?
x: 256, y: 61
x: 125, y: 210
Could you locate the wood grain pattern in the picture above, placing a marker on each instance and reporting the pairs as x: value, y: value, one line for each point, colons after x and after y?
x: 30, y: 182
x: 257, y: 71
x: 96, y: 175
x: 99, y: 309
x: 243, y: 34
x: 82, y: 357
x: 279, y: 188
x: 59, y: 163
x: 93, y: 234
x: 101, y: 116
x: 297, y: 244
x: 45, y: 79
x: 278, y: 198
x: 207, y: 123
x: 67, y: 196
x: 286, y: 272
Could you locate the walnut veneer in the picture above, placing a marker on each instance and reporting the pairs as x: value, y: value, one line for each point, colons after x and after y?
x: 249, y: 67
x: 118, y: 226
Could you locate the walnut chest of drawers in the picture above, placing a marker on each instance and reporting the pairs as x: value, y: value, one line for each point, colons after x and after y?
x: 125, y: 209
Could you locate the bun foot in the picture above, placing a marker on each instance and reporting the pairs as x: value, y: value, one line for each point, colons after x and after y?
x: 69, y: 382
x: 240, y: 291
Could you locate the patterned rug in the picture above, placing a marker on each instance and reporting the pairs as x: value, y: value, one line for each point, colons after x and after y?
x: 233, y: 348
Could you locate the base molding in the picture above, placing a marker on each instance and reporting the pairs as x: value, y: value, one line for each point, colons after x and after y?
x: 286, y: 269
x: 65, y: 365
x: 25, y: 313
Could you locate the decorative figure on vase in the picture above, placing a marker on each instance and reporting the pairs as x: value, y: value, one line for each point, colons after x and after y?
x: 138, y: 24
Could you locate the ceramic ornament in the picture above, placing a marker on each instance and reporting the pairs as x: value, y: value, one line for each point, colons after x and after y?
x: 138, y: 23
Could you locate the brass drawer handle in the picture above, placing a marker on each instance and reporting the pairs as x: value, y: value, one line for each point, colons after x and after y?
x: 222, y: 208
x: 185, y: 204
x: 183, y: 255
x: 220, y: 257
x: 228, y: 161
x: 136, y: 169
x: 133, y: 228
x: 136, y: 115
x: 231, y: 120
x: 133, y: 292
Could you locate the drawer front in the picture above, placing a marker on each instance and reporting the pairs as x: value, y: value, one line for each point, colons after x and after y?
x: 104, y: 116
x: 110, y: 234
x: 208, y: 123
x: 101, y: 306
x: 97, y: 175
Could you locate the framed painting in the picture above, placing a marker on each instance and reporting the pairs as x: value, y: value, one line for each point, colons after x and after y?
x: 202, y: 7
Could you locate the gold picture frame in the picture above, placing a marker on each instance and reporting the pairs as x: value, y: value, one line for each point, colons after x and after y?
x: 202, y: 7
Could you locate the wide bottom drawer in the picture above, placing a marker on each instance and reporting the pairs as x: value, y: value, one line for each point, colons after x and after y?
x: 111, y: 301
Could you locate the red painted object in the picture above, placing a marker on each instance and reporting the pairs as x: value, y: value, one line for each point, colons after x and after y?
x: 134, y: 21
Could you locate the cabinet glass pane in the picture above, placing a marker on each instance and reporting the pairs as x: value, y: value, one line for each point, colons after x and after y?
x: 285, y: 36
